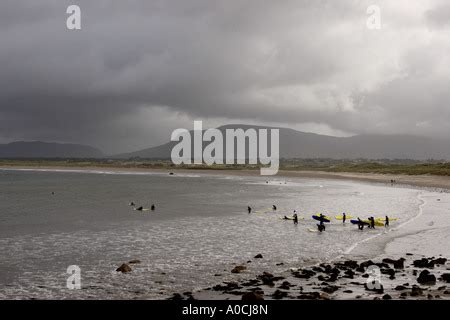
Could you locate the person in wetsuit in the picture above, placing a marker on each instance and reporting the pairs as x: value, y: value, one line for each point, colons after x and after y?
x: 360, y: 224
x: 321, y: 225
x: 372, y: 222
x: 132, y: 204
x: 140, y: 208
x: 153, y: 207
x: 386, y: 223
x: 274, y: 207
x: 295, y: 219
x: 249, y: 209
x: 344, y: 217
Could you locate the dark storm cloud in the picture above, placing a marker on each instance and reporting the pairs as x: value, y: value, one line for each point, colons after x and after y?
x: 139, y: 69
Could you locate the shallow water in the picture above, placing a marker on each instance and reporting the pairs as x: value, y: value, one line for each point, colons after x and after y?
x: 200, y: 228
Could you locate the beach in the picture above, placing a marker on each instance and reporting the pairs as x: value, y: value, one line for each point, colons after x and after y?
x: 294, y: 263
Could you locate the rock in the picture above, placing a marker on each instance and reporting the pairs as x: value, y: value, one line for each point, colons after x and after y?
x: 351, y: 264
x: 446, y: 277
x: 430, y: 296
x: 442, y: 288
x: 439, y: 261
x: 252, y: 296
x: 416, y: 291
x: 280, y: 264
x: 134, y: 261
x: 366, y: 264
x: 388, y: 260
x: 404, y: 294
x: 176, y: 296
x: 309, y: 296
x: 330, y: 289
x: 423, y: 263
x: 349, y: 274
x: 227, y: 287
x: 387, y: 297
x: 409, y: 254
x: 399, y: 264
x: 278, y: 294
x: 267, y: 278
x: 258, y: 256
x: 376, y: 288
x: 286, y: 285
x: 426, y: 277
x: 249, y: 283
x: 348, y: 291
x: 400, y: 288
x: 124, y: 268
x: 238, y: 269
x: 390, y: 272
x: 303, y: 274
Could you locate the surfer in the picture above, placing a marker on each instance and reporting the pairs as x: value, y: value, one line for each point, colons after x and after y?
x: 249, y: 209
x: 321, y: 227
x: 132, y: 204
x: 321, y: 224
x: 360, y: 224
x: 274, y: 207
x: 372, y: 223
x: 140, y: 208
x: 153, y: 207
x: 295, y: 219
x: 386, y: 223
x: 344, y: 217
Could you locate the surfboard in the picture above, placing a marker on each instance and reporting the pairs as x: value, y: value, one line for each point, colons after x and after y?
x: 313, y: 230
x: 145, y: 209
x: 325, y: 218
x: 384, y: 219
x: 367, y: 222
x: 347, y: 217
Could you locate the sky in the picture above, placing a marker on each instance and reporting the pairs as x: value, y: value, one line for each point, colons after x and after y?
x: 137, y: 70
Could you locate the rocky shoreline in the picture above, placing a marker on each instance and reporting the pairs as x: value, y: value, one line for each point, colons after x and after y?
x: 407, y: 277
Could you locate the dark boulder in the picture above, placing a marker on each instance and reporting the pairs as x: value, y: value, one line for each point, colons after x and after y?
x: 416, y: 291
x: 446, y: 277
x: 423, y: 263
x: 124, y: 268
x: 252, y: 296
x: 278, y: 294
x: 238, y: 269
x: 387, y: 297
x: 426, y: 277
x: 330, y: 289
x: 258, y: 256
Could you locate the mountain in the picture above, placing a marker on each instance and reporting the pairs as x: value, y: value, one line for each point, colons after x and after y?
x: 38, y: 149
x: 296, y: 144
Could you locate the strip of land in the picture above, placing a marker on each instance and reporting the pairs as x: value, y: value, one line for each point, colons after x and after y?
x: 419, y: 180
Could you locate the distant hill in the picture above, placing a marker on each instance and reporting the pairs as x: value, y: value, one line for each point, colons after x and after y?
x: 38, y: 149
x: 296, y: 144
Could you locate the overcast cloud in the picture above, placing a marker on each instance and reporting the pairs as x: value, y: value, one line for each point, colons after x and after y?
x: 139, y: 69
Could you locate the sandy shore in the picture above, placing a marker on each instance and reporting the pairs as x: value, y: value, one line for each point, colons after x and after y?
x: 425, y: 181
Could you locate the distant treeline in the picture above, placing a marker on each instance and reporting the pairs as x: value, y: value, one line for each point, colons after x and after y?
x: 382, y: 166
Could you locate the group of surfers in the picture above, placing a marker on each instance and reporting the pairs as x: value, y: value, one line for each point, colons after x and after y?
x: 322, y: 219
